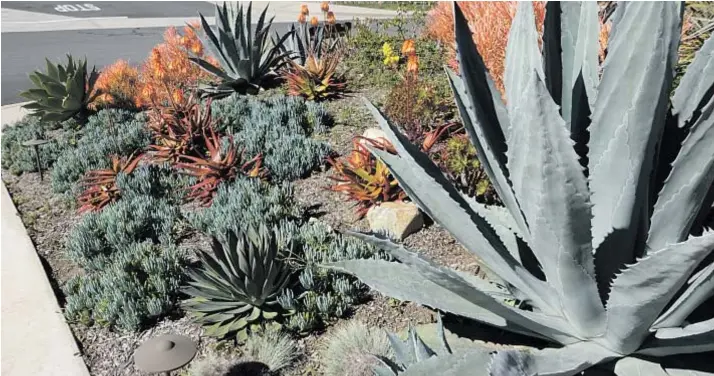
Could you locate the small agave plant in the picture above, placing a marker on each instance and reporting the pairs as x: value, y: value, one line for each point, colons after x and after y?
x: 410, y: 352
x: 246, y: 58
x: 64, y: 92
x: 605, y: 181
x: 237, y: 287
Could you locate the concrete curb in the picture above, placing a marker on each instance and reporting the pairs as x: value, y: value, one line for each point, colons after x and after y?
x: 35, y: 338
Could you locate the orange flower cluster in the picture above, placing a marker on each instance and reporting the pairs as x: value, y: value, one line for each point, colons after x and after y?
x: 168, y: 71
x: 118, y: 85
x: 490, y: 23
x: 314, y: 21
x: 409, y: 50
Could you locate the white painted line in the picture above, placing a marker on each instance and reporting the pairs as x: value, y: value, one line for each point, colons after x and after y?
x: 70, y: 20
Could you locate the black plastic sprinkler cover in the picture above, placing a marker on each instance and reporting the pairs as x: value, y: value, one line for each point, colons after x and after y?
x: 35, y: 144
x: 164, y: 353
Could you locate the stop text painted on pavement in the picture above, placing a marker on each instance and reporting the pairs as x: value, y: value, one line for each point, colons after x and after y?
x: 86, y: 7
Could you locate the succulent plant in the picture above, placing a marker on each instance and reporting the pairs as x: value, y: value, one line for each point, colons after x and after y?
x: 300, y: 45
x: 100, y: 186
x: 238, y: 286
x: 63, y: 92
x: 410, y: 351
x: 595, y: 233
x: 317, y: 79
x: 364, y: 178
x: 219, y: 166
x: 245, y: 58
x: 178, y: 129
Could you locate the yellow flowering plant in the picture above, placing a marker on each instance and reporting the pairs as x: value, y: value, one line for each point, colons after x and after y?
x: 391, y: 58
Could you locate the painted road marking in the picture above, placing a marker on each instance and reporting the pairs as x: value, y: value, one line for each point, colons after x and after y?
x: 86, y: 7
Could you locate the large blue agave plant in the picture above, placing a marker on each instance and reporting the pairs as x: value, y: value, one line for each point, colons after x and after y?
x: 605, y: 180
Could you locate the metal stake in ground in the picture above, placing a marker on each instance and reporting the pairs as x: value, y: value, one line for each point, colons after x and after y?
x: 164, y: 353
x: 35, y: 145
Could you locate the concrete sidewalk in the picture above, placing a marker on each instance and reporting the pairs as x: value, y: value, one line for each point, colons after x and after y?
x: 35, y: 338
x: 16, y: 21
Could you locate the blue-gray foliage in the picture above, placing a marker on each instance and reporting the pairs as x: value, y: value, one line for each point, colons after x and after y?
x: 279, y: 127
x: 109, y: 132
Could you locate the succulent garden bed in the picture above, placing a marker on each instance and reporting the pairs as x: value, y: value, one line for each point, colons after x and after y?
x: 208, y: 193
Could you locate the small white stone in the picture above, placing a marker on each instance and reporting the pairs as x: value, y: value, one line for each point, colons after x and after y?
x: 399, y: 219
x: 374, y: 134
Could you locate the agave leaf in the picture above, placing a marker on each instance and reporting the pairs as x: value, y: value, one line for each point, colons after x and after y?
x: 405, y: 283
x: 695, y: 329
x: 466, y: 363
x: 630, y: 366
x: 565, y: 361
x: 553, y: 46
x: 586, y: 50
x: 558, y: 211
x: 489, y: 141
x: 685, y: 191
x: 643, y: 289
x: 701, y: 342
x: 695, y: 85
x: 621, y: 146
x: 522, y: 55
x: 509, y: 363
x: 34, y: 94
x: 52, y: 70
x: 548, y: 326
x: 210, y: 42
x: 700, y: 289
x: 428, y: 187
x: 409, y: 257
x: 484, y: 115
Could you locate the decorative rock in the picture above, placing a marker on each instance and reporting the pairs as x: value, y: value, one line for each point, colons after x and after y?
x: 375, y: 134
x: 399, y: 219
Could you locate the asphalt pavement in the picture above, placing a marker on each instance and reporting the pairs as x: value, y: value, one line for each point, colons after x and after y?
x: 104, y: 32
x: 23, y: 53
x: 133, y: 9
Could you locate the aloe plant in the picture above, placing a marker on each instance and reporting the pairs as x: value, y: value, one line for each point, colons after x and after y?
x: 604, y: 179
x: 246, y: 59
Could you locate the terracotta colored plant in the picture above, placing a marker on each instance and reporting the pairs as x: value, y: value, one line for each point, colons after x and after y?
x: 168, y: 72
x: 490, y: 23
x: 100, y: 187
x: 178, y: 128
x: 364, y: 178
x: 317, y: 79
x: 216, y: 167
x: 118, y: 85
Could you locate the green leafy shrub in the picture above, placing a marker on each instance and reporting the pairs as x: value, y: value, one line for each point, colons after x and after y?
x: 18, y: 158
x: 322, y: 295
x: 92, y: 244
x: 109, y: 132
x: 244, y: 203
x: 352, y: 348
x: 417, y: 106
x: 364, y: 65
x: 278, y: 127
x: 140, y: 283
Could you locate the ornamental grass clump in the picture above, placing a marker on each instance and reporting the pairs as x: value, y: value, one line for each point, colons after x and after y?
x: 605, y: 181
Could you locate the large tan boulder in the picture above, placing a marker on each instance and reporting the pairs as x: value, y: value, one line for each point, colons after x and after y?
x: 399, y: 219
